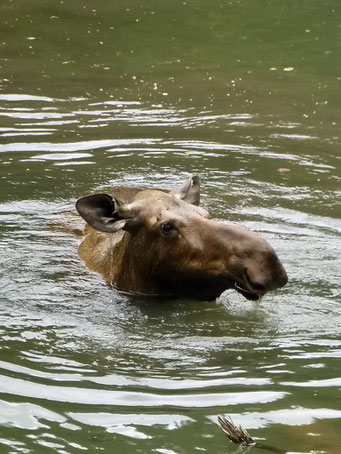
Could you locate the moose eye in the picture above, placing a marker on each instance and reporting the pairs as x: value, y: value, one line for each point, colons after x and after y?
x: 167, y: 227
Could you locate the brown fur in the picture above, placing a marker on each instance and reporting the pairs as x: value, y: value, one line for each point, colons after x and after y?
x: 199, y: 258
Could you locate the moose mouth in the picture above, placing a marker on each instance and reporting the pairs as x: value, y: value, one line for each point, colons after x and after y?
x: 247, y: 293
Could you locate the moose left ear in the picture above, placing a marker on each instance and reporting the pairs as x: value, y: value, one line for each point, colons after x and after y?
x: 100, y: 211
x: 189, y: 191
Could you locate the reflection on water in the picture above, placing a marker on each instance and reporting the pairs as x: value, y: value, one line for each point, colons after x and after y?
x: 253, y: 109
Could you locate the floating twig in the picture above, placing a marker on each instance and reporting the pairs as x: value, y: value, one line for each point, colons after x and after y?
x: 239, y: 436
x: 235, y: 433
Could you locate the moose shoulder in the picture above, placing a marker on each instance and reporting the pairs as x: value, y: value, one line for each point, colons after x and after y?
x: 163, y: 243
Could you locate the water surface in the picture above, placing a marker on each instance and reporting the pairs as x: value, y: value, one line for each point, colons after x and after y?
x: 247, y: 96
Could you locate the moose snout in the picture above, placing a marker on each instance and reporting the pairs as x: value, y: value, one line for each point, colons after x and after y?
x: 261, y: 283
x: 282, y: 277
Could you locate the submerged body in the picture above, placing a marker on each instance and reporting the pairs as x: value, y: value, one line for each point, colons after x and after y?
x: 159, y: 243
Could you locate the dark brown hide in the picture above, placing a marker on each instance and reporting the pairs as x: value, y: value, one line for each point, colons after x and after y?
x: 159, y: 243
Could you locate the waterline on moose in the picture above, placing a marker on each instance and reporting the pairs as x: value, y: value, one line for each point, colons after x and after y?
x: 154, y: 242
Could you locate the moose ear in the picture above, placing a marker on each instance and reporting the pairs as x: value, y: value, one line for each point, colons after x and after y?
x: 100, y: 212
x: 189, y: 191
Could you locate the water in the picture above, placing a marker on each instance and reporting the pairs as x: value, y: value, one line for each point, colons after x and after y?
x: 245, y: 94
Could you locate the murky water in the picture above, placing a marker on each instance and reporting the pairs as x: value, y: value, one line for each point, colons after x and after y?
x: 246, y: 95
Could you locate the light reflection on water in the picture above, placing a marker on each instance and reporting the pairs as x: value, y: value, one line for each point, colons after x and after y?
x: 76, y: 355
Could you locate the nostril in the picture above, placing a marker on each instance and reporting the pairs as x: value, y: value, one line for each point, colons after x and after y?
x: 255, y: 285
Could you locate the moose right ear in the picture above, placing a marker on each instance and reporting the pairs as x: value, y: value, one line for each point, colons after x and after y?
x: 189, y: 191
x: 100, y: 212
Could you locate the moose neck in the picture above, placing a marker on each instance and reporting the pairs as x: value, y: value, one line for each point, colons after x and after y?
x: 132, y: 267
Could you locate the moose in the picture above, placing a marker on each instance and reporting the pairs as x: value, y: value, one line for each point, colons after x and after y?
x: 154, y: 242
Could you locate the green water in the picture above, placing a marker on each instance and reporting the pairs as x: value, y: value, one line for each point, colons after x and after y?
x: 245, y: 94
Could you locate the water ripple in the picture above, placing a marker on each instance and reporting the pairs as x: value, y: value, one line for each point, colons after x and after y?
x: 76, y: 353
x: 92, y: 396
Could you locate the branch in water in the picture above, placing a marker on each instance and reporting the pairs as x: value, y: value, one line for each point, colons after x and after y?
x: 234, y: 433
x: 241, y: 437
